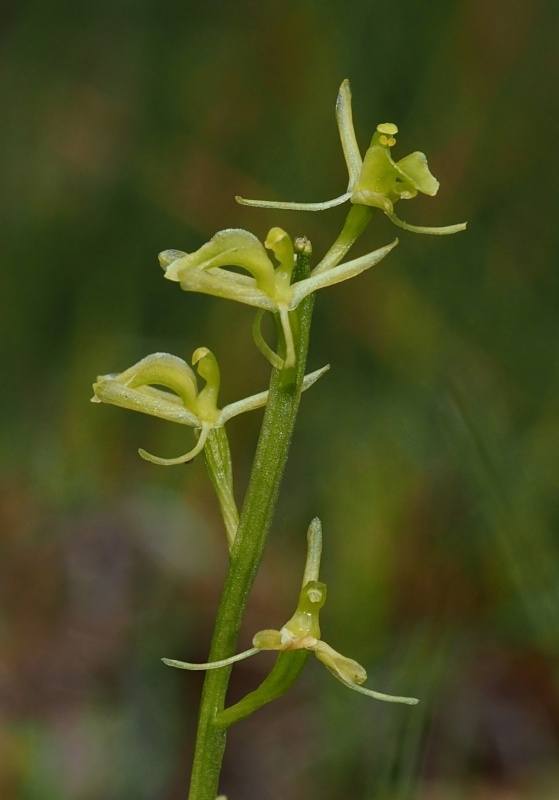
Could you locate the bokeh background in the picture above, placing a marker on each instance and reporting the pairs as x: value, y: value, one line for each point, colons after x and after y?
x: 430, y: 450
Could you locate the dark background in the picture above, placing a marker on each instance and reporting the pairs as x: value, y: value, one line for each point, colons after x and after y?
x: 430, y: 451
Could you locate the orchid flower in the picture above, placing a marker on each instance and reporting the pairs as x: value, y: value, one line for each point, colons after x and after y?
x: 377, y: 180
x: 302, y: 631
x: 267, y: 286
x: 135, y: 389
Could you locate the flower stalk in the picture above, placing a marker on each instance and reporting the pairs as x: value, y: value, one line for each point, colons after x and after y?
x: 248, y: 549
x: 275, y: 277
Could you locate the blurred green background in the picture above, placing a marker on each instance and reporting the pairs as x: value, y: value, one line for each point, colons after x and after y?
x: 430, y: 450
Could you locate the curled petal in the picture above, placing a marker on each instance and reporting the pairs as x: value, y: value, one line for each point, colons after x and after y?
x: 281, y: 245
x: 381, y: 176
x: 169, y: 462
x: 208, y: 368
x: 160, y: 369
x: 415, y: 168
x: 133, y: 388
x: 232, y: 247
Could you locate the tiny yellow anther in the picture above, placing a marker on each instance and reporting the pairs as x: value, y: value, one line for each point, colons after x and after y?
x: 390, y: 141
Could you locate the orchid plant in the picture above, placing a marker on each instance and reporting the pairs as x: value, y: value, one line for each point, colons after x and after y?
x: 276, y: 277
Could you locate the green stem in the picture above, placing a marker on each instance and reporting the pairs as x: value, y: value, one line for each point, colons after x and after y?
x: 246, y: 554
x: 355, y: 223
x: 284, y: 673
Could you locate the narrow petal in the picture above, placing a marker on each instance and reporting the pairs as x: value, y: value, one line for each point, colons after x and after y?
x: 337, y: 274
x: 344, y: 117
x: 225, y: 662
x: 461, y: 226
x: 169, y: 462
x: 337, y: 201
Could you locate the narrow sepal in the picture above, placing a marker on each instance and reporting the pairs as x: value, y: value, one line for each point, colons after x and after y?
x: 288, y: 206
x: 437, y: 231
x: 344, y: 118
x: 338, y: 274
x: 225, y: 662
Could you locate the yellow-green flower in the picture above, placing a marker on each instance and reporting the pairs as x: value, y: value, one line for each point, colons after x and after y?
x: 135, y: 388
x: 377, y: 180
x: 267, y: 286
x: 302, y: 631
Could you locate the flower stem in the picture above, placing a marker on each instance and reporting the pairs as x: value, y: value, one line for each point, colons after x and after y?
x: 248, y: 548
x: 355, y: 223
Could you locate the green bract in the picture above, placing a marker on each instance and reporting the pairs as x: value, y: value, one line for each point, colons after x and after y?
x: 267, y: 286
x: 377, y: 180
x: 302, y: 632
